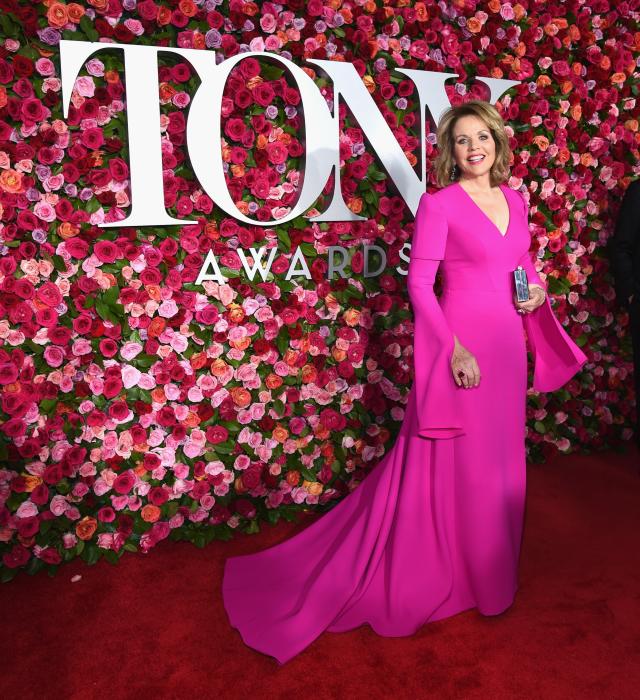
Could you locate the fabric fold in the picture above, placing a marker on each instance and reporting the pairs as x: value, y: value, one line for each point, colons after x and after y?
x: 433, y: 347
x: 556, y: 357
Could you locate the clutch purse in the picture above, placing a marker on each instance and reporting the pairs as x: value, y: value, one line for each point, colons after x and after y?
x: 521, y: 283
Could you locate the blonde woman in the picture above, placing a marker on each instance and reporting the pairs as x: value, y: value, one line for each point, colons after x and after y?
x: 435, y: 527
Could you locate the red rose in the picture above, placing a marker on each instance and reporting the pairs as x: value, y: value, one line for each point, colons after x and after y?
x: 32, y: 110
x: 49, y: 555
x: 106, y: 514
x: 8, y: 373
x: 49, y: 294
x: 18, y: 556
x: 108, y: 347
x: 158, y: 495
x: 82, y: 324
x: 151, y: 461
x: 59, y: 335
x: 276, y: 152
x: 124, y: 482
x: 119, y: 410
x: 92, y: 138
x: 106, y: 251
x: 112, y: 387
x: 47, y: 318
x: 216, y: 434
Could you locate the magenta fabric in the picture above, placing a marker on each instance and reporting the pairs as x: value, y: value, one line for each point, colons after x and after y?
x: 435, y: 527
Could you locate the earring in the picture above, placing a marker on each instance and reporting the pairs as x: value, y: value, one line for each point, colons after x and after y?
x: 453, y: 172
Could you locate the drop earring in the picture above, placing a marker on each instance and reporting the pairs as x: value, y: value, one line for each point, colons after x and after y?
x: 453, y: 172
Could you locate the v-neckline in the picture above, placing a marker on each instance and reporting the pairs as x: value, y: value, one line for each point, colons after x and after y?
x: 486, y: 216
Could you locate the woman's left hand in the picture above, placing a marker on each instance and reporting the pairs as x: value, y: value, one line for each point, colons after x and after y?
x: 537, y: 295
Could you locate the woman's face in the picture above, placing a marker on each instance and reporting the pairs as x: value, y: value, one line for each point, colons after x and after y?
x: 474, y: 149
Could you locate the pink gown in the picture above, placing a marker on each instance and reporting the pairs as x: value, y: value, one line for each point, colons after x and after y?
x: 435, y: 527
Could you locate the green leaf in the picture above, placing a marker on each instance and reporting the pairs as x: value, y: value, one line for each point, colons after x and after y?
x: 111, y: 556
x: 88, y: 29
x: 308, y: 475
x: 91, y: 554
x: 59, y: 263
x: 540, y: 427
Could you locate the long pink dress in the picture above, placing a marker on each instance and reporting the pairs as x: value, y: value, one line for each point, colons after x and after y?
x: 435, y: 528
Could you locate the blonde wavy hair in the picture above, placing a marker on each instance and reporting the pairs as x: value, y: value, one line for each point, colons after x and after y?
x: 444, y: 161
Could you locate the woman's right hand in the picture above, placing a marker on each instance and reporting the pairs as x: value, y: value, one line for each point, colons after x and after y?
x: 464, y: 367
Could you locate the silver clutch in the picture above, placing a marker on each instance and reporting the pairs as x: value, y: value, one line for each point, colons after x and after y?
x: 521, y: 283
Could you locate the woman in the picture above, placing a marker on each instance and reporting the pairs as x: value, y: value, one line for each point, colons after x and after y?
x: 435, y: 527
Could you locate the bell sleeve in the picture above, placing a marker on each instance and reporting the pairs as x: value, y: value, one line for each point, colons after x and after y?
x: 556, y: 357
x: 434, y: 342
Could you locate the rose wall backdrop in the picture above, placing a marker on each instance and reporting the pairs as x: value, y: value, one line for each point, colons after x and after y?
x: 137, y: 405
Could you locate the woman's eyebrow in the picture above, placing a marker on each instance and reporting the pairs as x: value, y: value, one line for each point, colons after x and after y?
x: 477, y: 132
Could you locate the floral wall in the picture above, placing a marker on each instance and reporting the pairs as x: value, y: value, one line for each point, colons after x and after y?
x: 137, y: 405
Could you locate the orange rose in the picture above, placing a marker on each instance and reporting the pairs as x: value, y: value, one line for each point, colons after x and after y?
x: 100, y: 5
x: 153, y: 290
x: 157, y: 395
x: 76, y: 12
x: 293, y: 477
x: 30, y: 482
x: 57, y: 15
x: 68, y: 230
x: 218, y: 367
x: 86, y: 527
x: 273, y: 381
x: 188, y: 8
x: 542, y: 142
x: 156, y: 327
x: 421, y: 11
x: 239, y: 486
x: 11, y: 181
x: 338, y: 355
x: 280, y: 434
x: 309, y: 374
x: 474, y: 25
x: 166, y: 92
x: 198, y: 360
x: 327, y: 450
x: 369, y: 83
x: 236, y: 313
x: 150, y: 513
x: 290, y: 357
x: 351, y: 317
x: 250, y: 9
x: 355, y: 204
x: 240, y: 396
x: 241, y: 344
x: 313, y: 487
x: 164, y: 15
x: 192, y: 420
x: 198, y: 40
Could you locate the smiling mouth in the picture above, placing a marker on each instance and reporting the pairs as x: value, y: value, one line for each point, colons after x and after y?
x: 477, y: 159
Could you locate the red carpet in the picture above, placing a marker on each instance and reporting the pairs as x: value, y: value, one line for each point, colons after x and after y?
x: 154, y: 626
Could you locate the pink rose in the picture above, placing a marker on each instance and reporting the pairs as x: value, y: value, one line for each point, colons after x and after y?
x: 54, y: 356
